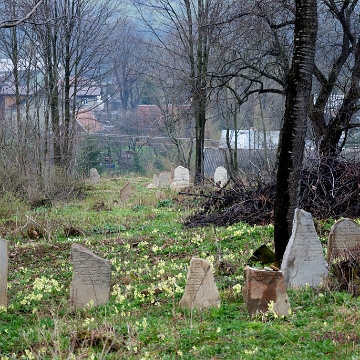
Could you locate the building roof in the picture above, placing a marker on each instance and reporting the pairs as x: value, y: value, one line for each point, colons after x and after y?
x: 88, y: 122
x: 86, y: 91
x: 10, y: 90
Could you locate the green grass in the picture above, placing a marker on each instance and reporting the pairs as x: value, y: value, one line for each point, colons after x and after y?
x: 150, y: 249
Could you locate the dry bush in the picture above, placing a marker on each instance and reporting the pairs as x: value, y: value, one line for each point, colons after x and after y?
x: 329, y: 189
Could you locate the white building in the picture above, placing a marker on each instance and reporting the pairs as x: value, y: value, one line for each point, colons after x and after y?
x: 250, y: 139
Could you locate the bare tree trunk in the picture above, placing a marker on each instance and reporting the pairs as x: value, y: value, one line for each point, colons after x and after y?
x: 295, y: 120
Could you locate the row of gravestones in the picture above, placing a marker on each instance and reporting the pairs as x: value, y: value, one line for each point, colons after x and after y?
x: 303, y: 263
x: 92, y: 276
x: 181, y: 178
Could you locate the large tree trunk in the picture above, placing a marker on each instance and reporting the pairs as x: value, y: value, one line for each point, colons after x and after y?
x: 295, y: 121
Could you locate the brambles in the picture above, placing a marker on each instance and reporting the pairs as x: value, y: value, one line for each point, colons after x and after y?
x: 329, y: 189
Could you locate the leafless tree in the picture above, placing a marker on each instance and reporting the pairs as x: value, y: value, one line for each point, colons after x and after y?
x: 337, y: 73
x: 129, y: 61
x: 53, y: 47
x: 189, y: 30
x: 25, y: 13
x: 74, y: 40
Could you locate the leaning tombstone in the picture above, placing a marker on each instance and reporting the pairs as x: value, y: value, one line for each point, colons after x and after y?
x: 200, y: 289
x: 181, y: 178
x: 125, y: 192
x: 264, y: 290
x: 164, y: 179
x: 263, y: 255
x: 303, y: 261
x: 94, y: 176
x: 344, y: 241
x: 91, y: 278
x: 220, y: 176
x: 3, y: 271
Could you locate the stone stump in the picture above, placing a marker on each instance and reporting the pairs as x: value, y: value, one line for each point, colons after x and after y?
x: 263, y: 288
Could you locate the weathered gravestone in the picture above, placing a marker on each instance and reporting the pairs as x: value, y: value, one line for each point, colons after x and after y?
x: 200, y: 290
x: 94, y: 176
x: 220, y: 176
x: 164, y: 179
x: 155, y: 181
x: 181, y: 178
x: 91, y: 278
x: 125, y: 192
x: 303, y: 261
x: 263, y: 288
x: 3, y: 272
x: 344, y: 241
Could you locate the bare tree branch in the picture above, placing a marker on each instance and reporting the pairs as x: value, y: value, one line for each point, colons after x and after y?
x: 14, y: 22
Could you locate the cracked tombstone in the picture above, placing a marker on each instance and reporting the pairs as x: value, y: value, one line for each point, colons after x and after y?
x: 94, y: 176
x: 3, y: 271
x: 91, y: 278
x: 265, y: 290
x: 344, y: 241
x: 200, y: 289
x: 304, y: 262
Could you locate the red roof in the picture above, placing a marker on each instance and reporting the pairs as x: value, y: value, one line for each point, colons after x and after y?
x: 88, y: 122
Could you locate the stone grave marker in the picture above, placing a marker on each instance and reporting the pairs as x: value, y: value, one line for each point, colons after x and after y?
x: 220, y: 176
x: 181, y: 178
x: 91, y: 278
x: 344, y: 241
x: 155, y: 181
x: 200, y: 289
x: 303, y: 261
x: 3, y: 271
x: 261, y: 288
x: 125, y: 192
x: 94, y: 176
x: 164, y: 179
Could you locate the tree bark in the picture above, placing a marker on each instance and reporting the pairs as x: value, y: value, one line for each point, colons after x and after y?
x: 295, y: 120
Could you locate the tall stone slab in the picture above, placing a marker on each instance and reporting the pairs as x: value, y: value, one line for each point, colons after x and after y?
x: 220, y: 176
x: 4, y: 247
x: 304, y: 262
x: 263, y: 288
x: 125, y: 192
x: 91, y: 278
x: 164, y: 179
x: 155, y: 181
x: 200, y: 290
x: 181, y: 178
x: 344, y: 241
x: 94, y: 176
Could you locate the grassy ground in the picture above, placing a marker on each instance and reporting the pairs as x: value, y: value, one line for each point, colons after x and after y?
x: 150, y: 251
